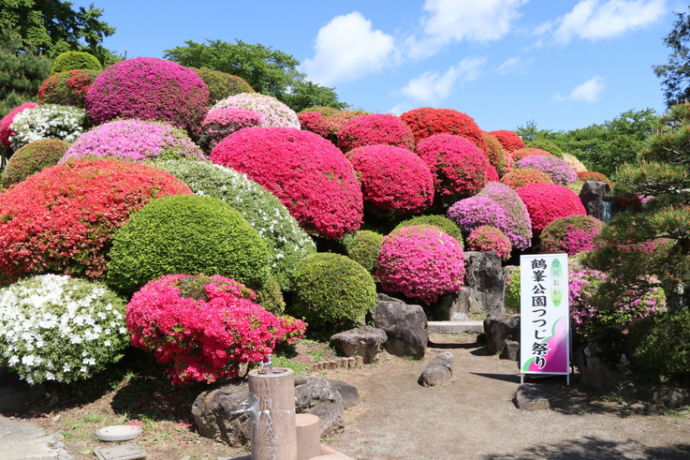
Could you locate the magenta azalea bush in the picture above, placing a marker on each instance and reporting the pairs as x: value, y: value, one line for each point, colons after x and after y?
x: 148, y: 89
x: 497, y: 205
x: 421, y: 262
x: 558, y: 170
x: 570, y: 235
x: 220, y: 123
x: 487, y: 238
x: 273, y: 112
x: 134, y: 140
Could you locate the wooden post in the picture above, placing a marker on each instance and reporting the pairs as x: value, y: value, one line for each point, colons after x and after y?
x: 308, y: 436
x: 274, y: 435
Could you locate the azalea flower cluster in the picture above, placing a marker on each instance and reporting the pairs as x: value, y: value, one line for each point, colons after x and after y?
x: 6, y: 121
x: 68, y: 88
x: 220, y: 123
x: 510, y: 140
x: 529, y: 152
x: 428, y: 121
x: 519, y: 177
x: 45, y: 122
x: 272, y: 111
x: 486, y: 238
x: 375, y: 129
x: 571, y: 235
x: 499, y: 158
x: 204, y: 328
x: 548, y: 202
x: 53, y: 327
x: 557, y: 169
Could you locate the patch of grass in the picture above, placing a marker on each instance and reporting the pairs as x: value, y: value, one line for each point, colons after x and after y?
x: 297, y: 367
x: 681, y: 413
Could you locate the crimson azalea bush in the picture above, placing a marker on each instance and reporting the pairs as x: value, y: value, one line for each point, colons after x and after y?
x: 570, y: 235
x: 557, y: 169
x: 491, y: 174
x: 220, y: 123
x: 315, y: 122
x: 427, y: 121
x: 519, y: 177
x: 373, y: 130
x: 5, y: 131
x: 67, y: 88
x: 497, y: 205
x: 309, y: 175
x: 595, y: 176
x: 510, y: 140
x: 528, y: 152
x: 420, y: 262
x: 487, y: 238
x: 548, y: 202
x: 134, y: 140
x: 61, y: 219
x: 148, y: 89
x: 458, y: 165
x: 395, y: 181
x: 204, y: 327
x: 497, y: 155
x: 31, y: 158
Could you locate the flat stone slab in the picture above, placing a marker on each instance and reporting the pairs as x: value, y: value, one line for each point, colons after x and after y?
x: 118, y: 433
x: 455, y: 327
x: 121, y: 452
x: 21, y: 440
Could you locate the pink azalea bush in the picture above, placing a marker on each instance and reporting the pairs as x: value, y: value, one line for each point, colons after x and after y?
x: 487, y: 238
x: 148, y: 89
x: 571, y: 235
x: 557, y: 169
x: 134, y: 140
x: 205, y: 327
x: 220, y: 123
x: 316, y: 123
x: 273, y: 112
x: 6, y: 122
x: 421, y: 262
x: 375, y: 129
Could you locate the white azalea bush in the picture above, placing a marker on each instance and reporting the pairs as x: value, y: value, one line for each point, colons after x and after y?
x: 54, y: 327
x: 272, y: 111
x: 47, y: 121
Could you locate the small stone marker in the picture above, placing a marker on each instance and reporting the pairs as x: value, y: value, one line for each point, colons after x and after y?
x: 530, y: 396
x: 511, y: 351
x: 118, y: 433
x: 122, y: 452
x: 438, y: 371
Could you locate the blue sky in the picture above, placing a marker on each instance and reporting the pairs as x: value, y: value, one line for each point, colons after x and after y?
x: 563, y: 64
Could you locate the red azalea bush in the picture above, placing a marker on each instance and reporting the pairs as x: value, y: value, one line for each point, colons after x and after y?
x: 510, y: 140
x: 149, y: 89
x: 491, y: 174
x: 572, y: 235
x: 519, y: 177
x: 548, y: 202
x: 61, y: 219
x: 458, y: 165
x: 421, y: 262
x: 529, y: 152
x: 427, y: 121
x: 592, y: 175
x: 6, y: 122
x: 497, y: 155
x: 373, y: 130
x: 205, y: 327
x: 306, y: 172
x: 395, y: 181
x: 315, y: 122
x: 220, y: 123
x: 67, y: 88
x: 487, y: 238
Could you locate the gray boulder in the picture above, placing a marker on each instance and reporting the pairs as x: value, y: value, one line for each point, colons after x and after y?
x: 530, y: 396
x: 213, y: 420
x: 596, y: 198
x: 405, y: 326
x: 363, y: 341
x: 498, y: 329
x: 439, y: 370
x: 596, y: 373
x: 348, y: 392
x: 318, y: 396
x: 511, y: 350
x: 484, y: 283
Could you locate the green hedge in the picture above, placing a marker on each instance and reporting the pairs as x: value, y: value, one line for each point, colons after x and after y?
x: 363, y: 247
x: 32, y: 158
x: 71, y: 60
x: 221, y: 84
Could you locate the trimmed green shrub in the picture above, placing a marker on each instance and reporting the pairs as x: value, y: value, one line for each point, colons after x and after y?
x: 545, y: 144
x: 363, y: 247
x: 270, y: 296
x: 186, y: 234
x: 72, y: 60
x: 287, y: 242
x: 221, y: 84
x: 333, y: 290
x: 441, y: 222
x: 662, y: 348
x: 32, y: 158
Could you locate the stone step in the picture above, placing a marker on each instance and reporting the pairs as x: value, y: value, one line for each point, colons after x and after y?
x: 455, y: 327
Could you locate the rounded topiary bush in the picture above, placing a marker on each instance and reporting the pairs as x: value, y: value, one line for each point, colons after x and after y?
x: 384, y: 129
x: 487, y: 238
x: 491, y: 174
x: 547, y: 145
x: 595, y: 176
x: 557, y: 169
x: 333, y: 291
x: 459, y: 166
x: 520, y: 177
x: 220, y: 123
x: 363, y: 247
x: 32, y: 158
x: 327, y: 121
x: 548, y: 202
x: 287, y: 242
x: 148, y: 89
x: 574, y: 163
x: 420, y: 262
x: 53, y: 327
x: 427, y: 121
x: 528, y: 152
x: 337, y: 120
x: 443, y: 223
x: 62, y: 218
x: 134, y: 140
x: 323, y: 110
x: 47, y: 121
x: 395, y: 181
x: 497, y: 155
x: 67, y: 88
x: 307, y: 173
x: 570, y: 235
x: 270, y: 296
x: 72, y: 60
x: 204, y: 327
x: 316, y: 123
x: 5, y: 131
x: 510, y: 140
x: 221, y: 85
x: 497, y: 205
x: 273, y: 112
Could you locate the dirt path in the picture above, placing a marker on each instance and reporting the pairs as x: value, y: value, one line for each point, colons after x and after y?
x: 472, y: 417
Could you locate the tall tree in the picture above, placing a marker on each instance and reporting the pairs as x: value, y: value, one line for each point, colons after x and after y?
x: 21, y: 72
x: 675, y: 76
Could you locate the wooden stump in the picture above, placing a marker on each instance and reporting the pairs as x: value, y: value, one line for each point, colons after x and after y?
x: 308, y: 436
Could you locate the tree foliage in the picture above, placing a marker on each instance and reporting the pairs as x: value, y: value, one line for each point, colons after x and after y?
x: 21, y: 73
x: 675, y: 76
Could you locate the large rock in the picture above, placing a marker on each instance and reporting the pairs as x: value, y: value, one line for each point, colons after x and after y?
x: 596, y: 198
x: 363, y: 341
x: 213, y: 420
x: 318, y: 396
x: 531, y: 396
x: 348, y: 392
x: 438, y: 371
x: 498, y: 329
x: 511, y: 350
x: 405, y: 326
x: 595, y: 372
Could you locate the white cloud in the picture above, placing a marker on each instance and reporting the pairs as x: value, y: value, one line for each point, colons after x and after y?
x: 346, y: 49
x: 587, y: 91
x: 433, y: 87
x: 513, y: 65
x: 594, y: 20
